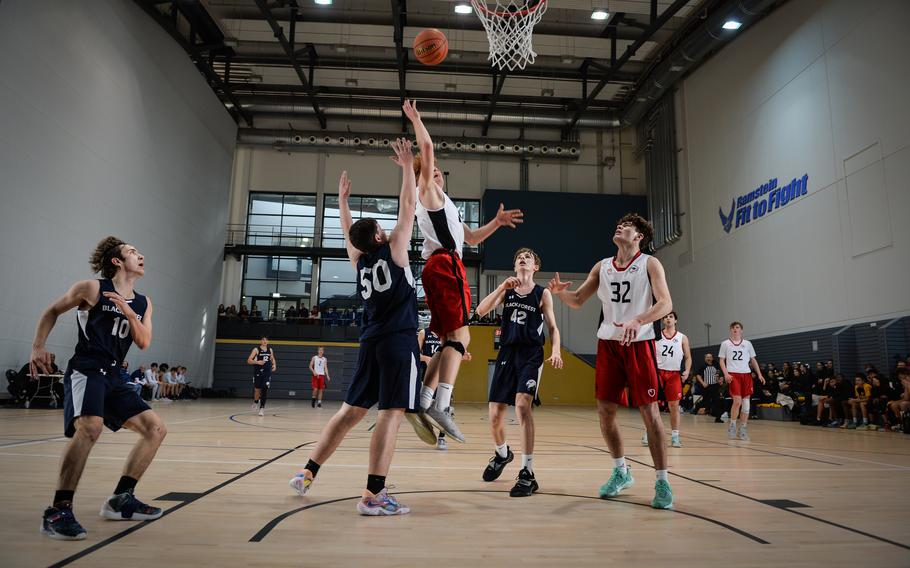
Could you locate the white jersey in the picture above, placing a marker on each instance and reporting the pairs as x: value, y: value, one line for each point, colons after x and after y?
x: 625, y: 293
x: 319, y: 365
x: 442, y: 228
x: 736, y: 355
x: 670, y: 351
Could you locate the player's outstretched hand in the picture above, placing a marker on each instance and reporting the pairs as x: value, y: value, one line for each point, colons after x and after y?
x: 120, y: 302
x: 556, y: 285
x: 511, y: 282
x: 555, y: 360
x: 410, y: 110
x: 629, y: 331
x: 344, y: 186
x: 403, y: 155
x: 509, y: 217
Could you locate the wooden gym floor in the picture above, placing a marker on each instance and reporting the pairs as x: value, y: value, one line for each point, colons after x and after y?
x: 795, y: 495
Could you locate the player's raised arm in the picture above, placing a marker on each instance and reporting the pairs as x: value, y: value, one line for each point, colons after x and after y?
x: 344, y: 211
x: 496, y: 297
x: 424, y: 144
x: 576, y: 298
x: 400, y: 239
x: 84, y: 291
x: 546, y: 306
x: 504, y: 218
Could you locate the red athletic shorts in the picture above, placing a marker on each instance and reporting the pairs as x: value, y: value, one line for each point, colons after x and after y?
x: 619, y: 366
x: 671, y: 382
x: 318, y: 382
x: 445, y: 284
x: 741, y: 385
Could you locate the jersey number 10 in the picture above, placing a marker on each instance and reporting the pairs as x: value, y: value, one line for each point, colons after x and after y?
x: 121, y: 328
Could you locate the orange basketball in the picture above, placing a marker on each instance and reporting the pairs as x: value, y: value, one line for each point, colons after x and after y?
x: 431, y: 47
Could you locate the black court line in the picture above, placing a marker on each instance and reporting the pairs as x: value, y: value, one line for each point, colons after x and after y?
x: 112, y: 539
x: 265, y: 530
x: 176, y: 496
x: 708, y: 440
x: 22, y: 442
x: 768, y: 502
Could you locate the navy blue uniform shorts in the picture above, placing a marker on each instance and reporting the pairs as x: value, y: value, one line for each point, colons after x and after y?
x: 518, y: 370
x: 262, y: 381
x: 386, y: 372
x: 98, y: 392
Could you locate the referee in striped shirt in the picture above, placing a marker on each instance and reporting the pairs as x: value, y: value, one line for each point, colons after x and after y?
x: 708, y: 376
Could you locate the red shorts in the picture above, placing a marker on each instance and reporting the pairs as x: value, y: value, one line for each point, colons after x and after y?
x: 619, y: 366
x: 445, y: 284
x: 671, y: 382
x: 318, y: 382
x: 741, y: 385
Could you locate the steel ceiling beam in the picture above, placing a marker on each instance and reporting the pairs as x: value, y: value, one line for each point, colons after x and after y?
x: 630, y: 51
x: 400, y: 20
x: 498, y: 81
x: 168, y: 23
x: 289, y: 52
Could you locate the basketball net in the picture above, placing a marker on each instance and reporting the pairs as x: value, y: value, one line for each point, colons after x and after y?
x: 509, y: 28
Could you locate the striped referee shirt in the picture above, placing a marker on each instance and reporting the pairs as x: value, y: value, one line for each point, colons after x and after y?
x: 708, y: 373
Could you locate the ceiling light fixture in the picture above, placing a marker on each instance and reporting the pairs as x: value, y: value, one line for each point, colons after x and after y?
x: 341, y: 48
x: 567, y: 59
x: 451, y: 87
x: 547, y: 92
x: 463, y: 8
x: 324, y: 2
x: 350, y: 82
x: 732, y: 25
x: 599, y: 14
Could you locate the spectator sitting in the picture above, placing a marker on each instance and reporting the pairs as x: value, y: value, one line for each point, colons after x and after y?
x: 878, y: 404
x: 900, y: 405
x: 137, y: 378
x: 151, y: 381
x: 231, y: 312
x: 767, y: 393
x: 221, y: 311
x: 244, y: 312
x: 331, y: 317
x: 314, y: 313
x: 290, y: 315
x: 304, y: 313
x: 829, y: 399
x: 839, y: 401
x: 859, y: 403
x: 165, y: 384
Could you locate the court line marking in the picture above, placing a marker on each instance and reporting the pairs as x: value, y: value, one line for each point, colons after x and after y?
x: 33, y: 442
x: 756, y: 500
x: 114, y: 538
x: 265, y: 530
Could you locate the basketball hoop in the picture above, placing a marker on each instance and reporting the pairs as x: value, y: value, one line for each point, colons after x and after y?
x: 509, y: 28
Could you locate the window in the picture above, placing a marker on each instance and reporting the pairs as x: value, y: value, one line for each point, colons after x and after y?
x: 337, y: 283
x: 383, y: 209
x: 289, y: 276
x: 281, y: 219
x: 472, y: 272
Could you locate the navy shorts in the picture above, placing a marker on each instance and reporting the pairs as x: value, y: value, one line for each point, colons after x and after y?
x: 386, y: 372
x: 518, y: 370
x: 98, y: 392
x: 262, y: 381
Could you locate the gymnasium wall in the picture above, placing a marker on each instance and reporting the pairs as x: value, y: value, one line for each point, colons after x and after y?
x: 108, y: 128
x: 265, y: 169
x: 574, y: 384
x: 816, y: 89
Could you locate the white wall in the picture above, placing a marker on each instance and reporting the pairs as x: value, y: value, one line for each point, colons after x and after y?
x: 817, y: 88
x: 107, y: 128
x: 264, y: 169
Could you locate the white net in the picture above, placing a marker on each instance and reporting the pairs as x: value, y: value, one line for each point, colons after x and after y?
x: 510, y: 25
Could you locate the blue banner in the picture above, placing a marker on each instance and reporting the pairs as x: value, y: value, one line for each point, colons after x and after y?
x: 763, y: 200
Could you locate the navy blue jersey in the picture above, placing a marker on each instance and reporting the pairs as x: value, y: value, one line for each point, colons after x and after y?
x: 266, y: 356
x: 104, y: 332
x: 389, y: 295
x: 431, y: 343
x: 522, y: 319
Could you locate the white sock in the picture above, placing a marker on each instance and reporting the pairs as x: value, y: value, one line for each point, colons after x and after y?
x: 426, y: 397
x: 503, y: 450
x: 443, y: 396
x: 662, y: 475
x: 619, y: 462
x: 674, y: 433
x: 733, y: 424
x: 527, y: 460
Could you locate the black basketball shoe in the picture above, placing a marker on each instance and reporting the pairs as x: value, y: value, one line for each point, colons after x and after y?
x: 61, y: 524
x: 525, y: 484
x: 497, y: 465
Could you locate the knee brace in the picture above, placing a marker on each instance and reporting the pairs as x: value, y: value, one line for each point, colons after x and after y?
x: 456, y: 345
x: 744, y: 409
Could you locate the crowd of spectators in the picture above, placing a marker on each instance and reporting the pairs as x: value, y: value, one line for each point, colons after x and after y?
x: 159, y: 382
x: 813, y: 394
x: 328, y: 316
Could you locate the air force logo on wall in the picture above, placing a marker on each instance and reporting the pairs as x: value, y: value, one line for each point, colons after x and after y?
x: 761, y: 201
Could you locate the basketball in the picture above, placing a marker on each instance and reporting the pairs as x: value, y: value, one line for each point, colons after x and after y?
x: 431, y: 47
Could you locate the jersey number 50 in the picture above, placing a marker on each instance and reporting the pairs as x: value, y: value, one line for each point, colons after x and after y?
x: 380, y: 281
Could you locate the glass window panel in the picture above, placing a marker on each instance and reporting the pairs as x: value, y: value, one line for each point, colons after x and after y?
x: 298, y: 288
x: 337, y: 291
x: 298, y: 225
x: 268, y: 203
x: 258, y: 287
x: 337, y: 270
x: 256, y: 267
x: 297, y: 204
